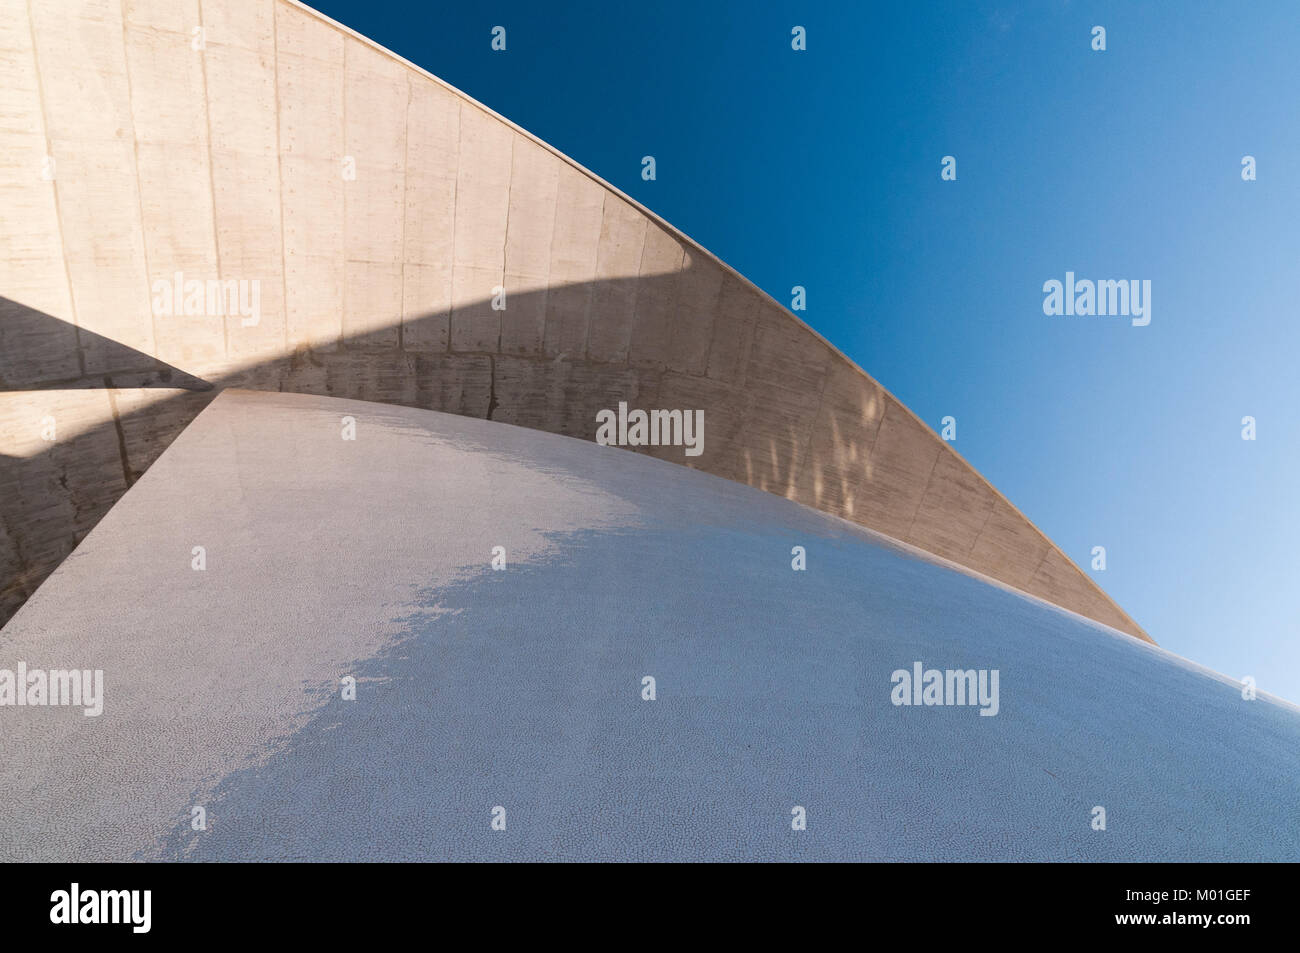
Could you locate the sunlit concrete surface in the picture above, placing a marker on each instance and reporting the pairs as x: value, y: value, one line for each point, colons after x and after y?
x: 522, y: 687
x: 379, y: 213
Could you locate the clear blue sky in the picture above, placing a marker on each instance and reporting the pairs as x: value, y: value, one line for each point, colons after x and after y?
x: 821, y: 168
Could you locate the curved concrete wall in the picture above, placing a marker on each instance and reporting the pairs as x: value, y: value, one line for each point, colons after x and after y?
x: 377, y: 209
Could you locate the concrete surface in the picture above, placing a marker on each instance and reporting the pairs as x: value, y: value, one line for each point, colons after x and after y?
x: 521, y: 688
x: 133, y: 152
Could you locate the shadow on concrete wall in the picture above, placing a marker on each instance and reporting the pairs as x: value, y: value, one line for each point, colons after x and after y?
x: 41, y: 352
x: 50, y: 499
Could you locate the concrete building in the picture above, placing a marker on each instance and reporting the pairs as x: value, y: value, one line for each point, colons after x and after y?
x: 351, y: 223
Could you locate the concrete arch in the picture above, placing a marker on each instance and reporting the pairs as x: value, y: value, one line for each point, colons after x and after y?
x: 379, y: 212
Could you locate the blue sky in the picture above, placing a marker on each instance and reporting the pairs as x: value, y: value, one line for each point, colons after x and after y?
x: 822, y: 168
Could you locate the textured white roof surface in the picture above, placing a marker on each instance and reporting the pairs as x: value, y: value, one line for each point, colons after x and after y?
x: 521, y: 688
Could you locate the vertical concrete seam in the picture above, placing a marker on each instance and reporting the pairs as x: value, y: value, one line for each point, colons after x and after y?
x: 343, y: 290
x: 812, y: 429
x: 880, y: 421
x: 1047, y: 551
x: 546, y: 283
x: 987, y: 516
x: 921, y: 502
x: 747, y: 350
x: 637, y: 287
x: 550, y: 257
x: 54, y: 186
x: 875, y: 436
x: 212, y: 175
x: 742, y: 433
x: 279, y: 170
x: 121, y: 433
x: 455, y: 208
x: 636, y: 294
x: 505, y: 242
x: 401, y: 264
x: 715, y: 313
x: 675, y: 297
x: 139, y: 190
x: 595, y: 277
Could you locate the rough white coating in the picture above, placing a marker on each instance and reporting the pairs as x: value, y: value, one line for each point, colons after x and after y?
x: 522, y: 688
